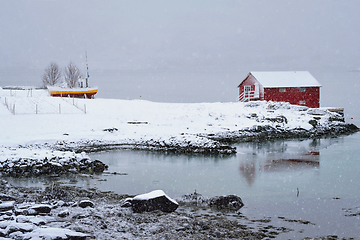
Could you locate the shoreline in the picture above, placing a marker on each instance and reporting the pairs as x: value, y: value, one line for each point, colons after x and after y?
x: 76, y: 213
x: 67, y: 152
x: 105, y: 218
x: 71, y: 157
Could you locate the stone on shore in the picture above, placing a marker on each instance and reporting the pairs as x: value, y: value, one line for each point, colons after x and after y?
x: 155, y: 200
x: 86, y: 203
x: 55, y: 233
x: 229, y: 202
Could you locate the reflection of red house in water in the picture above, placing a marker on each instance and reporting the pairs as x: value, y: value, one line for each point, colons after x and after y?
x: 298, y: 88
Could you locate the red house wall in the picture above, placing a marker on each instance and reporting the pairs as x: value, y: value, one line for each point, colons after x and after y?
x: 311, y: 96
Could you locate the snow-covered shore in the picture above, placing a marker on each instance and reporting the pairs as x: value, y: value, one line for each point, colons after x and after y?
x: 42, y: 124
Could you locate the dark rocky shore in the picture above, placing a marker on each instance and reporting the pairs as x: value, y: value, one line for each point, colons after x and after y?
x: 33, y: 167
x: 74, y: 213
x: 215, y: 144
x: 265, y: 133
x: 64, y: 212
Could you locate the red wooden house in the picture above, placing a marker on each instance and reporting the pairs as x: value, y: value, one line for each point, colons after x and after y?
x: 298, y: 88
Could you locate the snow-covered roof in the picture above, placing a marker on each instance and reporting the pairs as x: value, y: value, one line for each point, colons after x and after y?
x: 286, y: 79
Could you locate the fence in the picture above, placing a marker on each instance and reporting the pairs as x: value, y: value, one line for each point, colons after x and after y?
x: 25, y: 103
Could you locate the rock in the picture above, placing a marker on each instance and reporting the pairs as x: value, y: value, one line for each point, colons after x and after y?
x: 18, y: 227
x: 110, y: 129
x: 5, y: 206
x: 55, y: 233
x: 86, y: 203
x: 52, y: 167
x: 63, y: 214
x: 313, y: 122
x: 39, y: 209
x: 155, y: 200
x: 194, y: 199
x: 4, y: 197
x: 98, y: 166
x: 229, y: 202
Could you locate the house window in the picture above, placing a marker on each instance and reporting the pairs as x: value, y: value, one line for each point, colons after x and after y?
x: 302, y: 89
x: 247, y: 88
x: 282, y: 89
x: 303, y: 102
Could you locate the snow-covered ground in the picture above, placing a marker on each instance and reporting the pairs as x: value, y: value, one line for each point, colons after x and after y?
x: 34, y: 119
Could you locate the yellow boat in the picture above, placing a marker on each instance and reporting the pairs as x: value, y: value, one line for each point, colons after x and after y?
x: 72, y: 92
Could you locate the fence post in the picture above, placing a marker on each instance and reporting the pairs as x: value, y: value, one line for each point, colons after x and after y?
x: 85, y: 108
x: 14, y: 109
x: 59, y: 108
x: 36, y: 109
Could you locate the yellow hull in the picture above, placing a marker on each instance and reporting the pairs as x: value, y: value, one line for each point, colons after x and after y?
x: 72, y: 92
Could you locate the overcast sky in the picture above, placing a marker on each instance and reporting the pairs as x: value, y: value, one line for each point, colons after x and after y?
x: 178, y: 34
x: 183, y: 50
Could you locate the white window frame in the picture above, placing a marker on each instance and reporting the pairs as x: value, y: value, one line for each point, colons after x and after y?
x: 282, y: 89
x: 247, y: 88
x: 302, y: 89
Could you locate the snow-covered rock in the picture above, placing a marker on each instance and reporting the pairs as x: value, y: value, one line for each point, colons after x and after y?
x: 51, y: 233
x: 155, y: 200
x: 86, y: 203
x: 35, y: 161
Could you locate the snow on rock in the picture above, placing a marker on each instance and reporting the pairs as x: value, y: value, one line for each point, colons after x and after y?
x: 86, y: 203
x: 50, y: 233
x: 39, y: 161
x: 155, y: 200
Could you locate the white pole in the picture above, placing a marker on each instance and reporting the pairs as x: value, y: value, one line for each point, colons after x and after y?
x: 59, y: 108
x: 85, y: 108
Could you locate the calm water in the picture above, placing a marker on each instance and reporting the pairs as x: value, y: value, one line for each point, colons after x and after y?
x: 318, y: 168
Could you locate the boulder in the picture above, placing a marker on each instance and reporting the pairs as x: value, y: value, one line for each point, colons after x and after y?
x: 98, y: 166
x: 155, y: 200
x: 64, y: 213
x: 5, y: 206
x: 229, y: 202
x: 39, y: 209
x: 86, y: 203
x: 55, y: 233
x: 4, y: 197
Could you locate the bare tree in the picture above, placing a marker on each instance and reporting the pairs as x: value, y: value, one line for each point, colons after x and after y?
x: 72, y: 75
x: 52, y: 75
